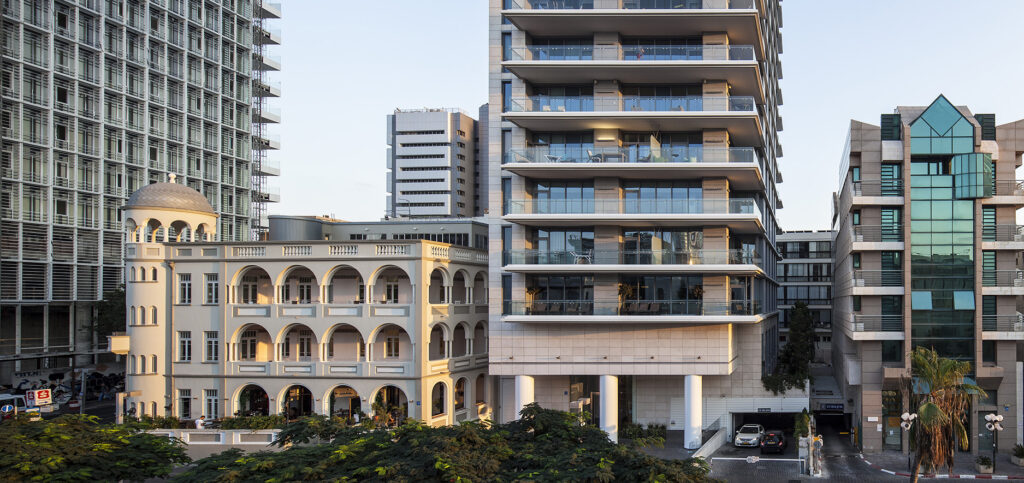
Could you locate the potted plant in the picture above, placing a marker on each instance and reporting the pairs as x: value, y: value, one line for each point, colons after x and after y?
x: 1018, y: 455
x: 983, y: 465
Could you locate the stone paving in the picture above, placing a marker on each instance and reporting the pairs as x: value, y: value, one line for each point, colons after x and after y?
x: 897, y: 462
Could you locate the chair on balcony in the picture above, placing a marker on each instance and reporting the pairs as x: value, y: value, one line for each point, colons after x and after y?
x: 538, y: 308
x: 655, y: 308
x: 631, y: 308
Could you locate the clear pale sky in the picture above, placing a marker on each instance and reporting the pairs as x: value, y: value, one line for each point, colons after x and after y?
x: 348, y: 64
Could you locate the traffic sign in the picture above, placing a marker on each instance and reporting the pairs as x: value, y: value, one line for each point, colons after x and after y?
x: 7, y: 408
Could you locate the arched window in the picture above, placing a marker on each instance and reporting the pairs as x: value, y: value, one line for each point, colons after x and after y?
x: 153, y: 406
x: 460, y: 394
x: 131, y: 275
x: 154, y: 364
x: 131, y: 314
x: 153, y: 278
x: 154, y: 314
x: 131, y: 364
x: 438, y: 401
x: 142, y: 274
x: 142, y: 408
x: 142, y: 316
x: 142, y: 364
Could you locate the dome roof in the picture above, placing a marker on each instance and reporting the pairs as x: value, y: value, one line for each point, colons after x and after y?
x: 169, y: 196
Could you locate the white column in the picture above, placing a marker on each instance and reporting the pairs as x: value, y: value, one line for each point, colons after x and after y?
x: 524, y: 393
x: 610, y: 406
x: 694, y: 412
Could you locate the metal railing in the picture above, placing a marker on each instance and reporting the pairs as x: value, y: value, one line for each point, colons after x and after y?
x: 878, y: 278
x: 633, y: 4
x: 878, y: 233
x: 640, y: 52
x: 626, y: 206
x: 875, y: 187
x: 631, y: 307
x: 1009, y: 187
x: 634, y: 154
x: 633, y: 104
x: 1003, y: 323
x: 1002, y: 278
x: 1010, y: 233
x: 631, y: 257
x: 877, y: 323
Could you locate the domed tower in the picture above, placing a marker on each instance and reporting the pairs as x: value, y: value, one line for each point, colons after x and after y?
x: 154, y: 215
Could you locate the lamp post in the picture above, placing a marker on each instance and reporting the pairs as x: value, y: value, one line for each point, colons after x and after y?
x: 992, y: 424
x: 908, y: 421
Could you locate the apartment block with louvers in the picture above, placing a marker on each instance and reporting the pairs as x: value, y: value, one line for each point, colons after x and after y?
x: 99, y: 98
x: 925, y: 256
x: 633, y: 166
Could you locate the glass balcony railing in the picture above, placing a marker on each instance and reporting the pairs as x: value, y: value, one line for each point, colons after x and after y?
x: 631, y: 307
x: 632, y: 154
x: 878, y: 278
x: 1003, y: 233
x: 632, y: 257
x: 633, y: 103
x: 877, y: 323
x: 1002, y: 278
x: 878, y: 233
x: 1002, y: 323
x: 621, y: 206
x: 631, y: 4
x: 643, y: 52
x: 875, y: 187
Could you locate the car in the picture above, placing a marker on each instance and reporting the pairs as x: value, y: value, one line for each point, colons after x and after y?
x: 749, y: 435
x: 773, y: 442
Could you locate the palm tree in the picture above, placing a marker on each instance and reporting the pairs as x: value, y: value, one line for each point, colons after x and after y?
x: 939, y: 394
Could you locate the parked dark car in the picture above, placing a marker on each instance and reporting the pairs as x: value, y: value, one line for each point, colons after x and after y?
x: 773, y: 442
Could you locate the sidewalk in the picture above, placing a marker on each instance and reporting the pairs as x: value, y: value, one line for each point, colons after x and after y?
x: 895, y: 463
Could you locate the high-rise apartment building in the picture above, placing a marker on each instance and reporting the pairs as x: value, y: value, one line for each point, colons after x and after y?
x: 925, y: 256
x: 632, y: 150
x: 805, y: 275
x: 432, y: 163
x: 99, y: 98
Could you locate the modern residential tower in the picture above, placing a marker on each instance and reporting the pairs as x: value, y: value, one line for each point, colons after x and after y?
x: 805, y: 275
x: 925, y: 256
x: 632, y: 150
x: 99, y: 98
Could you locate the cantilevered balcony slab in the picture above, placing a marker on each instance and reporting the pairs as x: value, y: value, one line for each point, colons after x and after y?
x: 635, y: 319
x: 726, y: 269
x: 744, y: 126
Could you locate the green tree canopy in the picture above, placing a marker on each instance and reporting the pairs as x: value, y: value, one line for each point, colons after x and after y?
x: 111, y: 313
x: 793, y: 368
x: 543, y: 446
x: 77, y: 448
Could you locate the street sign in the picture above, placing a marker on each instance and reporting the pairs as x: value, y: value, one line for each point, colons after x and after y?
x: 33, y: 414
x: 764, y: 410
x: 39, y: 397
x: 7, y: 408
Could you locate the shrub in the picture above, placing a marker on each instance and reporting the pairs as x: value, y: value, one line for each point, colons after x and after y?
x: 273, y: 421
x: 984, y: 461
x: 1018, y: 451
x: 802, y: 426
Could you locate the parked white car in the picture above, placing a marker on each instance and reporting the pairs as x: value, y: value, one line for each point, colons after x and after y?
x: 749, y: 435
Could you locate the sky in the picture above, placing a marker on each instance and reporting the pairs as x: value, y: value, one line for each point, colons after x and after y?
x: 346, y: 65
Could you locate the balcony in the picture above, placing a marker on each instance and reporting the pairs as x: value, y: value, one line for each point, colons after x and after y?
x: 1002, y: 237
x: 737, y: 114
x: 611, y: 311
x: 878, y: 282
x: 639, y: 64
x: 877, y: 237
x: 1002, y: 282
x: 741, y: 215
x: 877, y: 323
x: 618, y: 261
x: 878, y: 192
x: 638, y: 17
x: 742, y: 165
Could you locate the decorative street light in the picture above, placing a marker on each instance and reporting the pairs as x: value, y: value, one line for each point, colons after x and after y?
x: 993, y: 425
x: 908, y: 421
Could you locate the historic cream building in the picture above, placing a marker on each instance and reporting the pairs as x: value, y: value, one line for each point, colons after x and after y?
x: 318, y: 325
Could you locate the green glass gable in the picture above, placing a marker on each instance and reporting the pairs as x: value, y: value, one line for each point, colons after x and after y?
x: 972, y: 176
x: 941, y: 129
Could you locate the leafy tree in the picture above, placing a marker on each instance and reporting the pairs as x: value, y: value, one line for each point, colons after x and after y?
x: 793, y: 368
x: 543, y: 446
x: 111, y: 313
x: 940, y: 396
x: 78, y: 448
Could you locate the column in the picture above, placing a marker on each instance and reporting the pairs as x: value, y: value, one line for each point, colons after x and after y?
x: 609, y: 387
x: 524, y: 393
x: 694, y: 412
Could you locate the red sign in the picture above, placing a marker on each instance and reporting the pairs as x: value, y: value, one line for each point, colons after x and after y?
x: 40, y: 397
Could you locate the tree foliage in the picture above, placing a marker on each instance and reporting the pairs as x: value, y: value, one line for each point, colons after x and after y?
x: 793, y: 368
x: 77, y: 448
x: 543, y: 446
x: 111, y: 313
x: 940, y: 396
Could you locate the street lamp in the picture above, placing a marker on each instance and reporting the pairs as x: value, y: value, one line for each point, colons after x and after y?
x: 908, y: 421
x: 993, y: 425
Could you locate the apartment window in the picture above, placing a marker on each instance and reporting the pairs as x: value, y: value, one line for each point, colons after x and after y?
x: 305, y: 343
x: 506, y: 5
x: 506, y: 194
x: 856, y: 303
x: 249, y: 290
x: 506, y: 143
x: 153, y: 311
x: 892, y: 351
x: 856, y: 174
x: 286, y: 348
x: 391, y: 293
x: 184, y: 403
x: 305, y: 290
x: 247, y: 346
x: 142, y: 315
x: 856, y: 218
x: 506, y: 47
x: 212, y: 403
x: 185, y: 288
x: 142, y: 364
x: 131, y: 314
x: 212, y: 346
x: 154, y: 366
x: 212, y: 288
x: 506, y: 95
x: 184, y: 346
x: 855, y: 259
x: 988, y: 352
x: 391, y: 346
